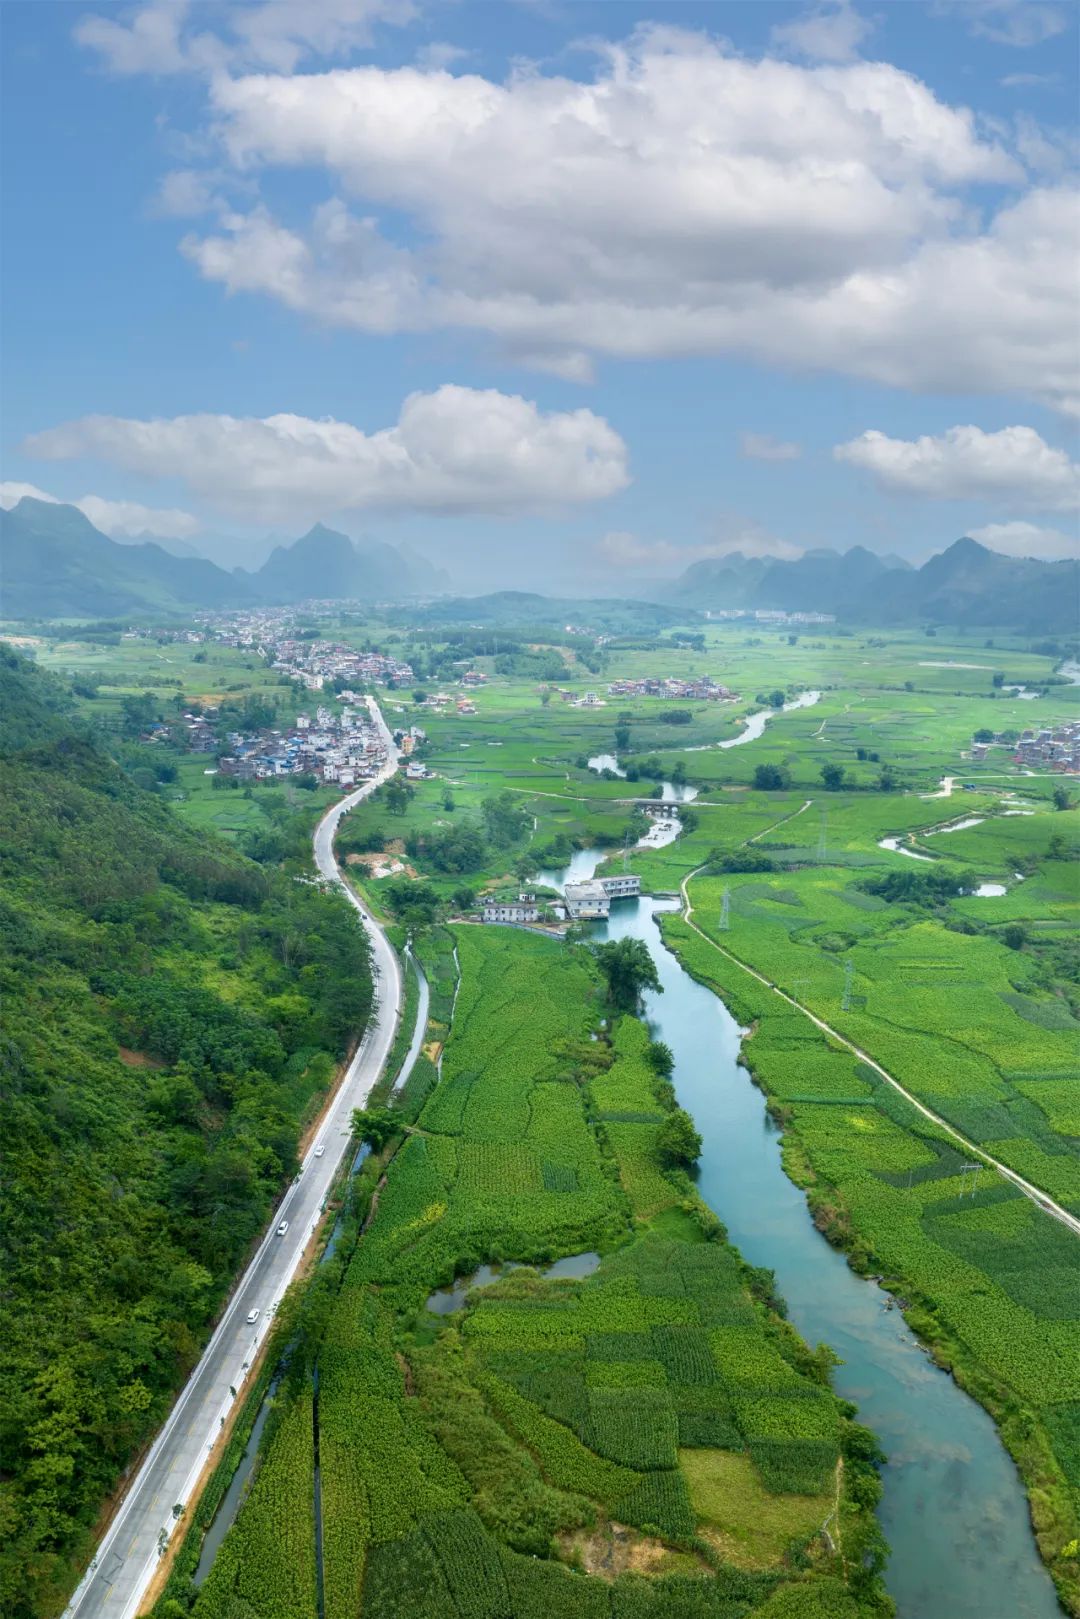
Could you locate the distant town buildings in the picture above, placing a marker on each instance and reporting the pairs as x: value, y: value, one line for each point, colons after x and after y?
x: 1052, y: 748
x: 268, y: 631
x: 671, y: 686
x: 343, y: 749
x: 768, y: 615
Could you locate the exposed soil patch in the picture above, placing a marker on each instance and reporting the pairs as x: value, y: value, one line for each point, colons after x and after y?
x: 406, y: 1372
x: 138, y: 1059
x: 381, y: 863
x: 612, y: 1549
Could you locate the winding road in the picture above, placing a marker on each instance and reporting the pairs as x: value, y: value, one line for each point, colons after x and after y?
x: 116, y: 1583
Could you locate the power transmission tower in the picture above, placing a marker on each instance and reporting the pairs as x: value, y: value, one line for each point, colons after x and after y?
x: 965, y: 1169
x: 626, y: 851
x: 796, y: 985
x: 725, y: 911
x: 849, y: 970
x: 822, y: 842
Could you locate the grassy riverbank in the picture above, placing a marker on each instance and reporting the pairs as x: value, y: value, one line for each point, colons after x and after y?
x: 986, y: 1279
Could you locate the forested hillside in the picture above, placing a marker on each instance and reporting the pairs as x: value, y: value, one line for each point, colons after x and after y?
x: 172, y: 1014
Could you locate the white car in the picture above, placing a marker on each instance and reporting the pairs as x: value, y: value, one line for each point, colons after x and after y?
x: 252, y: 1317
x: 319, y: 1151
x: 282, y: 1228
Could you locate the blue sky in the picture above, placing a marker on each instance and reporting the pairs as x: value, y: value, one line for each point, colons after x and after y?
x: 562, y: 295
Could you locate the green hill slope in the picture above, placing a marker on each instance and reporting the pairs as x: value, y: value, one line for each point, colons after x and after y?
x: 172, y: 1014
x: 58, y: 565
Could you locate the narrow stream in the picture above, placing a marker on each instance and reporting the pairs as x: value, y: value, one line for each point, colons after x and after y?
x: 672, y: 792
x: 953, y: 1509
x: 755, y: 723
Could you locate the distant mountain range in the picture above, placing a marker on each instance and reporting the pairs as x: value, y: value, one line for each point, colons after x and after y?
x: 964, y: 585
x: 56, y: 564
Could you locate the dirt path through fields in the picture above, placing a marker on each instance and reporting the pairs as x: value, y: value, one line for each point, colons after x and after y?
x: 1038, y: 1197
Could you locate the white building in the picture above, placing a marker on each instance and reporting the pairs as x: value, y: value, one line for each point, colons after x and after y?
x: 624, y: 886
x: 585, y: 901
x: 510, y: 911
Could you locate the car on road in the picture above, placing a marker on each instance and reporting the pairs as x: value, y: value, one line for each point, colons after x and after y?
x: 252, y: 1317
x: 282, y: 1228
x: 319, y: 1150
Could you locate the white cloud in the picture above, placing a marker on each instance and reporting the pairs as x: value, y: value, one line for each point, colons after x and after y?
x: 683, y: 201
x: 163, y: 37
x: 1019, y: 539
x: 828, y: 33
x: 149, y: 43
x: 763, y: 447
x: 1020, y: 23
x: 129, y: 517
x: 117, y: 518
x: 438, y: 56
x: 1014, y: 465
x: 454, y: 450
x: 186, y: 193
x: 11, y: 493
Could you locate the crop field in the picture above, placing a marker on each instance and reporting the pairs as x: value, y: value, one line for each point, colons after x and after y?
x: 994, y: 1285
x: 954, y: 1016
x: 461, y: 1455
x: 496, y: 1440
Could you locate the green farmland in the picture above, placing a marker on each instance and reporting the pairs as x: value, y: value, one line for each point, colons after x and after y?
x: 476, y: 1463
x: 536, y: 1140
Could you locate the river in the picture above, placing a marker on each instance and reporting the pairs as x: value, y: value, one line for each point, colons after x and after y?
x: 755, y: 723
x: 953, y: 1508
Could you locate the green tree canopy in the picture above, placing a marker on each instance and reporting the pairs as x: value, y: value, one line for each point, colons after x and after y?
x: 678, y: 1143
x: 629, y: 970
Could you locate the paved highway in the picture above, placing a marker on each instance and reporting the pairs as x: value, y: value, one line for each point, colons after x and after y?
x: 116, y: 1582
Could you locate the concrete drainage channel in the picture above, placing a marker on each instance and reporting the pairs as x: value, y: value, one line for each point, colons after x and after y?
x: 319, y: 1584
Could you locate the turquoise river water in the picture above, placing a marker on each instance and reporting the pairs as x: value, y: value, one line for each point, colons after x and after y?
x: 953, y: 1509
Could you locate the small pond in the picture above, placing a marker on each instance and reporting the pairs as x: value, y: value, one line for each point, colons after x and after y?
x: 449, y: 1299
